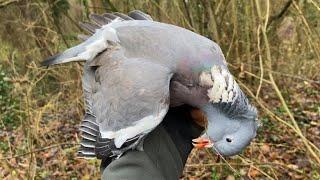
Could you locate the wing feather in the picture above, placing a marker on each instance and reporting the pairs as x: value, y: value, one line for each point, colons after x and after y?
x: 123, y: 16
x: 100, y: 20
x: 126, y: 101
x: 89, y: 27
x: 139, y: 15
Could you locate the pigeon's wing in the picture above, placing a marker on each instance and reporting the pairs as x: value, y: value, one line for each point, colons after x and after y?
x: 125, y: 98
x: 131, y: 95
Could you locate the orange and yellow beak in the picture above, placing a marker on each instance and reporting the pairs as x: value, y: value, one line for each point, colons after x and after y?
x: 202, y: 142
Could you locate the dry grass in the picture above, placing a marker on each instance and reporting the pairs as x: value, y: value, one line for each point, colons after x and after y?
x: 272, y: 47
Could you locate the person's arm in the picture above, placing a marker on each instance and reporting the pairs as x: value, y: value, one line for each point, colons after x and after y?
x: 166, y: 150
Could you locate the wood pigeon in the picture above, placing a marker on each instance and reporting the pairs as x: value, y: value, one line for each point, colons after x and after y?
x: 136, y: 68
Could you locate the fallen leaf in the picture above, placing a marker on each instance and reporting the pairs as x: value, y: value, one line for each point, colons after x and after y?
x: 265, y: 148
x: 253, y: 173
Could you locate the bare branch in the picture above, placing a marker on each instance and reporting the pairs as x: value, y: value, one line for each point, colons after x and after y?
x: 6, y: 3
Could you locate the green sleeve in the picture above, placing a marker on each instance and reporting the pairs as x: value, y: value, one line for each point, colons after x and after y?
x: 150, y: 163
x: 166, y: 150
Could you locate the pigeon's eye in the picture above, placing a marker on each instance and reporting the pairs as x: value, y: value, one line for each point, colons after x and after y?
x: 229, y: 140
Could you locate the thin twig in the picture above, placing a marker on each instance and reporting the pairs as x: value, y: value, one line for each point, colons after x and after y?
x: 275, y: 86
x: 309, y: 31
x: 38, y: 150
x: 280, y: 14
x: 254, y: 167
x: 263, y: 105
x: 7, y: 3
x: 277, y: 72
x: 112, y: 7
x: 186, y: 7
x: 315, y: 4
x: 260, y: 62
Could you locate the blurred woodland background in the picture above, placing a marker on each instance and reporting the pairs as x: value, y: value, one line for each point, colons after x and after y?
x: 272, y: 47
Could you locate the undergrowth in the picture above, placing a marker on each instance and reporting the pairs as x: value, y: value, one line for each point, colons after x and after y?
x: 272, y: 48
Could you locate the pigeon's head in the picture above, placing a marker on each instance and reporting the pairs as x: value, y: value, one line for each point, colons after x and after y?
x: 231, y: 119
x: 227, y: 135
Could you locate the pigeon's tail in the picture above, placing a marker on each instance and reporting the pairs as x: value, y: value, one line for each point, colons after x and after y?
x: 89, y: 134
x: 88, y: 49
x: 69, y: 55
x: 92, y: 145
x: 101, y: 32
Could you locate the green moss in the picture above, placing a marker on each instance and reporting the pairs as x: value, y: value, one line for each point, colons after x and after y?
x: 214, y: 174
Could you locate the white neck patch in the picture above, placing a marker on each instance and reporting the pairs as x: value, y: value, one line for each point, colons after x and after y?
x: 223, y: 87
